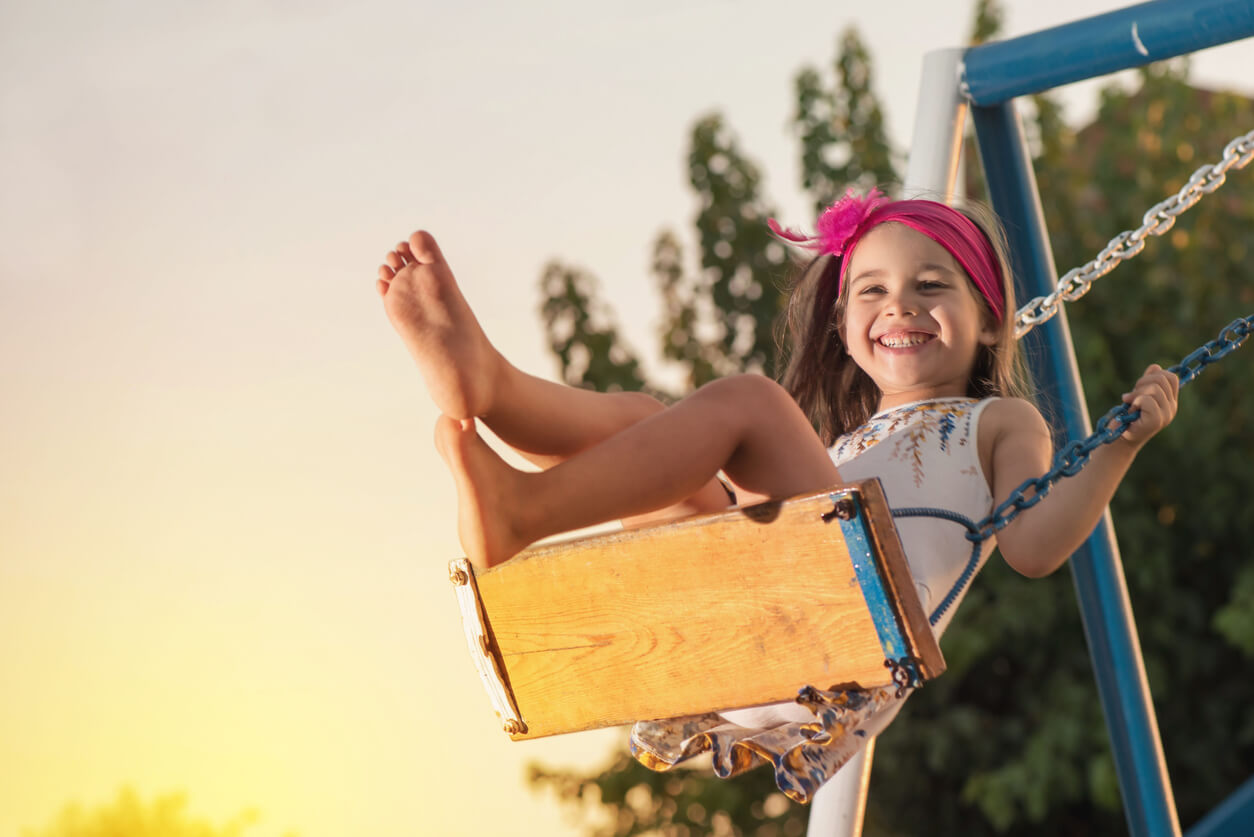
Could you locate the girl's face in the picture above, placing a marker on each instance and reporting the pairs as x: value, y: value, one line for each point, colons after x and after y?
x: 913, y: 320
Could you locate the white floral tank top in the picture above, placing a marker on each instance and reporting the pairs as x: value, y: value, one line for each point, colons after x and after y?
x: 926, y: 454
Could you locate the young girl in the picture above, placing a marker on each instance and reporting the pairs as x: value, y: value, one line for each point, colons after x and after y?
x: 903, y: 357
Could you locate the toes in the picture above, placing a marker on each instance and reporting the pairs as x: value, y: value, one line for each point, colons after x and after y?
x: 395, y: 261
x: 386, y: 274
x: 403, y: 249
x: 381, y: 285
x: 424, y: 249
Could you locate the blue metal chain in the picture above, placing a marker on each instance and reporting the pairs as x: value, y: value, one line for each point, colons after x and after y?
x: 1075, y: 455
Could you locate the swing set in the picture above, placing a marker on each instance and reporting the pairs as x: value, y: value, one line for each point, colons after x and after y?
x: 608, y: 629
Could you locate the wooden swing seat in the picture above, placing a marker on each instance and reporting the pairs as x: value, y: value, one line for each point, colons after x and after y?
x: 718, y: 611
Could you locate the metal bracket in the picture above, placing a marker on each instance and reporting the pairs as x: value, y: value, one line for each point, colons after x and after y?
x: 462, y: 574
x: 905, y: 673
x: 843, y: 507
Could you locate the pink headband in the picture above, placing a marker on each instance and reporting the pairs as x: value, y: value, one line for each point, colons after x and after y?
x: 842, y: 225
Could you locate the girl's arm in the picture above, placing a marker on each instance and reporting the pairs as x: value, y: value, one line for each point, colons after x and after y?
x: 1042, y: 538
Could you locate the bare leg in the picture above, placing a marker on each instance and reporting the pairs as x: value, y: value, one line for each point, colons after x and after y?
x: 467, y: 377
x: 747, y: 426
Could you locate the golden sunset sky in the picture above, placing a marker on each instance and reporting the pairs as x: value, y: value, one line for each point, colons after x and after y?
x: 223, y: 528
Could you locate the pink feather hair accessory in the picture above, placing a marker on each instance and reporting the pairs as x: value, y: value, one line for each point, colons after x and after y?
x: 837, y: 224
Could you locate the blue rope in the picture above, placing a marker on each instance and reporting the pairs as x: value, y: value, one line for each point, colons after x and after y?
x: 946, y: 514
x: 973, y: 563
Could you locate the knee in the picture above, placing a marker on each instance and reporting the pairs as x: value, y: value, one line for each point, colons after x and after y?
x: 749, y: 385
x: 741, y: 390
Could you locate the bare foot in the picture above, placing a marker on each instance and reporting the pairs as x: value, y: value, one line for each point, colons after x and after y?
x: 487, y: 491
x: 422, y: 300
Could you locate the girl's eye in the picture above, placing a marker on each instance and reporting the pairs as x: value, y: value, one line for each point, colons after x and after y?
x: 931, y: 284
x: 870, y: 289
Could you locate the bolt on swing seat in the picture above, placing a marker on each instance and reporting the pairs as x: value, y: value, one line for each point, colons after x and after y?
x: 719, y: 611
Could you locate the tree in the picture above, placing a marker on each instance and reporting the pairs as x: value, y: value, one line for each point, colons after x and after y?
x: 718, y: 320
x: 582, y: 333
x: 1011, y: 739
x: 127, y: 815
x: 682, y: 803
x: 843, y: 140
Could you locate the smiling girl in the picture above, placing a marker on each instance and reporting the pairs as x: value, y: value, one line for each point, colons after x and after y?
x: 904, y: 360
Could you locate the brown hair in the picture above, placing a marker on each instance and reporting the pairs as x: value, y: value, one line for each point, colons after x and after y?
x: 833, y: 391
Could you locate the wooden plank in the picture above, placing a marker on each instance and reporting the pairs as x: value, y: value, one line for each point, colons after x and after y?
x: 711, y: 612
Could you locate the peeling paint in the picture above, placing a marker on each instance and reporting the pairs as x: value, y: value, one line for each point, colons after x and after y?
x: 1136, y: 41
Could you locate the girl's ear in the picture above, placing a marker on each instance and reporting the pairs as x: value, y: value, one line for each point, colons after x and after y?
x: 838, y: 325
x: 990, y: 331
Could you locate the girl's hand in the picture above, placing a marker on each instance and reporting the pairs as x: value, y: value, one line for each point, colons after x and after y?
x: 1155, y: 396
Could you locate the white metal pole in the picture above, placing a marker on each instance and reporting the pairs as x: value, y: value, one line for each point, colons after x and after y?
x: 939, y: 119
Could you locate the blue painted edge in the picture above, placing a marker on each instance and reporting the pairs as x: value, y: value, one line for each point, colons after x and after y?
x: 866, y: 568
x: 1234, y: 817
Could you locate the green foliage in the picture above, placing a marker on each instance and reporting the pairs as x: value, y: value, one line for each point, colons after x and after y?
x: 716, y: 321
x: 685, y: 301
x: 721, y: 319
x: 1235, y: 621
x: 128, y: 816
x: 988, y: 19
x: 843, y: 139
x: 683, y: 803
x: 1012, y: 739
x: 582, y: 333
x: 742, y: 266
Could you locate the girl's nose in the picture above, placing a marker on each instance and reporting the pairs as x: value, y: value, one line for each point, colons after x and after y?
x: 901, y: 304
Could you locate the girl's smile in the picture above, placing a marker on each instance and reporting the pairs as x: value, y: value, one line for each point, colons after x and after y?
x: 904, y: 339
x: 913, y: 320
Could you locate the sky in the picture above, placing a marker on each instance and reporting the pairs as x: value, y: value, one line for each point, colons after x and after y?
x: 223, y: 528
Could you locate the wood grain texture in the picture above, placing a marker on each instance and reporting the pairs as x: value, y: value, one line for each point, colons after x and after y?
x: 711, y: 612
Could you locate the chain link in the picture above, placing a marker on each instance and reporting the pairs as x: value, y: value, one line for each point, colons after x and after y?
x: 1156, y: 221
x: 1075, y: 455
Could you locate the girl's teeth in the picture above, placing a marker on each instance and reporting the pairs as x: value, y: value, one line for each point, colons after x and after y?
x: 902, y: 341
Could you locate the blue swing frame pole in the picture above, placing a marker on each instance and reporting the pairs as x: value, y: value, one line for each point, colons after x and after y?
x: 1233, y: 816
x: 993, y: 75
x: 1097, y: 569
x: 1096, y: 46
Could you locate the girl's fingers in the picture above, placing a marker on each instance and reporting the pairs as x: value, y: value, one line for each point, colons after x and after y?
x: 1154, y: 397
x: 1155, y: 380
